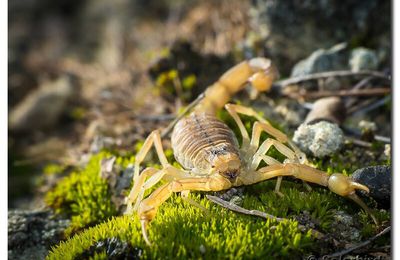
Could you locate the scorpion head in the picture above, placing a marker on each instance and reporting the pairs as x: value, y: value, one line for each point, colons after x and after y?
x: 225, y: 163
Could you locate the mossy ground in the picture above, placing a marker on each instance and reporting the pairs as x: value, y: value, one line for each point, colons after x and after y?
x: 182, y: 231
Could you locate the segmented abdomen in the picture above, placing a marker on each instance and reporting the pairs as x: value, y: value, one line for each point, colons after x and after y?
x: 195, y: 138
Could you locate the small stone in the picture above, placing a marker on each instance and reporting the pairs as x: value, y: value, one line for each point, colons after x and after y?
x: 379, y: 181
x: 202, y: 249
x: 363, y: 59
x: 367, y: 126
x: 237, y: 200
x: 387, y: 151
x: 320, y: 139
x: 330, y: 109
x: 322, y: 60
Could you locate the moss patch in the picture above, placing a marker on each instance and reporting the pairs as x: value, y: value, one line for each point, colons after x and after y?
x: 182, y: 231
x: 84, y: 196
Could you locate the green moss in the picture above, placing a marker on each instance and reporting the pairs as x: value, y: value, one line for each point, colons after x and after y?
x: 84, y: 196
x: 181, y: 231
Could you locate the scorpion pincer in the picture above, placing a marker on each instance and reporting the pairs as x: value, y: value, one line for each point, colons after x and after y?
x: 211, y: 157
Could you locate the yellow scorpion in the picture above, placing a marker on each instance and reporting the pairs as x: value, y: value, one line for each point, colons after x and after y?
x: 211, y: 157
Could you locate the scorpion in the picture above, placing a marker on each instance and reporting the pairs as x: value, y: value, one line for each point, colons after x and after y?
x: 210, y: 154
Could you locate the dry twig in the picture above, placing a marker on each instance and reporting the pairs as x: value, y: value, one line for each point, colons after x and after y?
x: 328, y: 74
x: 360, y: 245
x: 258, y: 213
x: 341, y: 93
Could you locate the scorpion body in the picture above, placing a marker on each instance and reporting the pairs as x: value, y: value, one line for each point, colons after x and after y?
x: 201, y: 137
x: 211, y: 156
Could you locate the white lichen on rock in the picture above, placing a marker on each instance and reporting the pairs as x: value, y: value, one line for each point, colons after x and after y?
x: 320, y: 139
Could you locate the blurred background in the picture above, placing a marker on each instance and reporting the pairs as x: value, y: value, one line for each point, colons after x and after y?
x: 91, y: 74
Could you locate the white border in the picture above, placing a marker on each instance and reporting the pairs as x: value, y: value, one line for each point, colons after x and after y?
x: 395, y: 129
x: 3, y: 129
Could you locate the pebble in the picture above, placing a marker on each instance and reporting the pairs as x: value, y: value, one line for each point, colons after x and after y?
x: 320, y: 139
x: 379, y: 181
x: 363, y: 59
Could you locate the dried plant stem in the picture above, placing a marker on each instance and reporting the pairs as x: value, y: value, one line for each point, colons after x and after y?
x: 328, y: 74
x: 360, y: 245
x: 341, y: 93
x: 258, y: 213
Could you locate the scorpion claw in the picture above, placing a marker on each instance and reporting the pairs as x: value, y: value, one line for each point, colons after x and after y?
x: 144, y: 223
x: 356, y: 185
x: 353, y: 196
x: 344, y: 186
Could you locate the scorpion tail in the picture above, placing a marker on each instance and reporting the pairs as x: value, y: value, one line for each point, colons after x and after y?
x: 260, y: 72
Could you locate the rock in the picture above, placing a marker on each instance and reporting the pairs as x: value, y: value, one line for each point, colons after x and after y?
x: 344, y: 227
x: 379, y: 181
x: 322, y: 60
x: 320, y: 139
x: 31, y: 233
x: 363, y: 59
x: 43, y: 107
x: 233, y: 195
x: 114, y: 248
x: 387, y: 153
x: 290, y: 30
x: 330, y: 109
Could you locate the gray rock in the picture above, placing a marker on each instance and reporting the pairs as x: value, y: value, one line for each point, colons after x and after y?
x: 363, y: 59
x: 31, y: 233
x: 344, y: 227
x: 114, y: 248
x: 379, y: 181
x: 292, y: 29
x: 322, y: 60
x: 320, y: 139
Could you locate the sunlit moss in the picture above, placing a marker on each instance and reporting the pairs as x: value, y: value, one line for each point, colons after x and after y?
x: 181, y: 231
x: 84, y: 196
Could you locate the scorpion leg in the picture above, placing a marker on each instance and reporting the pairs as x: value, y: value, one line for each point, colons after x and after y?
x: 258, y: 128
x: 262, y: 125
x: 136, y: 189
x: 260, y: 155
x: 148, y: 207
x: 154, y: 176
x: 337, y: 183
x: 293, y: 156
x: 153, y: 138
x: 137, y: 192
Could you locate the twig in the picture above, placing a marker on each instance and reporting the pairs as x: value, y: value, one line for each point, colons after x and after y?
x: 187, y: 109
x: 328, y: 74
x: 359, y: 142
x: 361, y: 84
x: 360, y: 245
x: 370, y: 107
x: 258, y: 213
x: 165, y: 117
x: 357, y: 133
x: 342, y: 93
